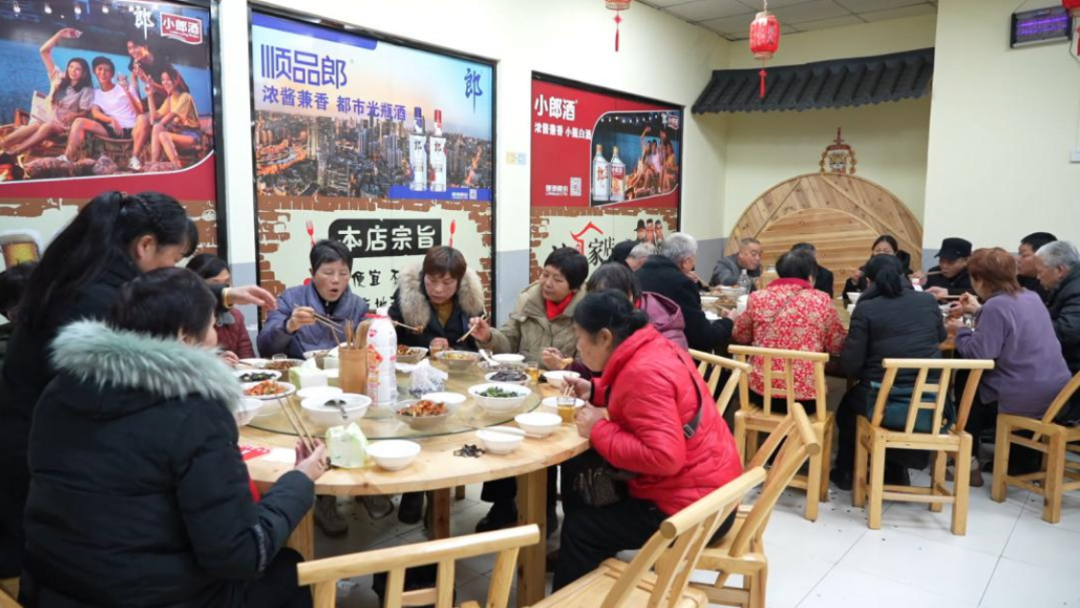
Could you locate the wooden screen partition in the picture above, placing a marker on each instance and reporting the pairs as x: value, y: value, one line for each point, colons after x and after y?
x: 840, y: 214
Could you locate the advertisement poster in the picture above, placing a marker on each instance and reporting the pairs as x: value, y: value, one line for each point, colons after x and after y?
x: 386, y: 148
x: 606, y: 168
x: 102, y: 95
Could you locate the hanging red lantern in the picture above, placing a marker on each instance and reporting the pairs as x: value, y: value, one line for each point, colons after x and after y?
x: 617, y: 6
x: 765, y: 40
x: 1073, y: 6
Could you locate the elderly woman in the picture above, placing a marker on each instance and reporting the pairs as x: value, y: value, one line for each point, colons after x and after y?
x: 542, y: 319
x: 1014, y: 329
x: 231, y: 328
x: 790, y: 314
x: 168, y: 520
x: 651, y: 390
x: 439, y: 295
x: 884, y: 245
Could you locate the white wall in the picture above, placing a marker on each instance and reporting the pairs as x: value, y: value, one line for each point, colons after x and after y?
x: 1001, y: 130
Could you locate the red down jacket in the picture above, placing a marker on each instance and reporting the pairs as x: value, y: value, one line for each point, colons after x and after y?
x: 646, y: 386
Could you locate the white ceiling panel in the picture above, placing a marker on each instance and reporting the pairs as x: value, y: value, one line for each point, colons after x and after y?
x: 703, y: 10
x: 900, y: 13
x: 825, y: 24
x: 864, y: 6
x: 810, y: 11
x: 729, y: 24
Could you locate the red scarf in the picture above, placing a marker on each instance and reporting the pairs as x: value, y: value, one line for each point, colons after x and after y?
x: 554, y: 310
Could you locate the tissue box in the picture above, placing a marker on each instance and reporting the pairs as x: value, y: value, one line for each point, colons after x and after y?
x: 304, y: 377
x: 347, y: 446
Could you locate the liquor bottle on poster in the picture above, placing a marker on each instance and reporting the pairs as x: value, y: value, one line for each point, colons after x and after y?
x: 618, y: 177
x: 437, y: 158
x: 418, y: 153
x: 601, y: 176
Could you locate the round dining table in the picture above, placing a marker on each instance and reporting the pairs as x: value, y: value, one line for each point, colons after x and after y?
x: 437, y: 470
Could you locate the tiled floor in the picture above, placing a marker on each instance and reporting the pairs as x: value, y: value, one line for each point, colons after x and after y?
x: 1009, y: 557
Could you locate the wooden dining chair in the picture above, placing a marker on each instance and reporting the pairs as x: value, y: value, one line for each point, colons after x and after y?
x: 942, y: 439
x: 673, y: 550
x: 1057, y: 474
x: 9, y: 591
x: 751, y: 420
x: 323, y: 575
x: 742, y: 551
x: 712, y: 368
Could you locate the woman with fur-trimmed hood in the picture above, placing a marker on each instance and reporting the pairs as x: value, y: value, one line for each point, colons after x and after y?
x: 440, y: 295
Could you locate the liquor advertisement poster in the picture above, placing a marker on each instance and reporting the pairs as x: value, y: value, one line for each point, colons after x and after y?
x: 606, y: 168
x: 102, y: 95
x: 384, y: 147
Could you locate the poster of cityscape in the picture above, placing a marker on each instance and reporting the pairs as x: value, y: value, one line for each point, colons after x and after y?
x: 606, y: 168
x: 101, y: 95
x: 384, y: 147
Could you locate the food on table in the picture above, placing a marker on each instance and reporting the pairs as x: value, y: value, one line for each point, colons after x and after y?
x: 404, y: 351
x: 256, y: 377
x: 469, y: 450
x: 508, y: 377
x: 281, y: 365
x: 424, y: 408
x: 266, y: 389
x: 496, y: 392
x: 456, y: 356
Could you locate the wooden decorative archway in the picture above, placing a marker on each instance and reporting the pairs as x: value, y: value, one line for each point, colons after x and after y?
x: 840, y: 214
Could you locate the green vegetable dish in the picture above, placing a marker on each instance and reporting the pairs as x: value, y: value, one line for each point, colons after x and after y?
x: 499, y: 393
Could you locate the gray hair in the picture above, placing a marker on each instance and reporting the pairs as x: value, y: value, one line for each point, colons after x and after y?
x: 1059, y: 254
x: 643, y: 250
x: 744, y: 243
x: 678, y: 246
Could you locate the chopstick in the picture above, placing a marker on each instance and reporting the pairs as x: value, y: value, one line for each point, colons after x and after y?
x: 326, y: 320
x: 416, y: 329
x: 297, y: 422
x: 483, y: 317
x: 932, y: 274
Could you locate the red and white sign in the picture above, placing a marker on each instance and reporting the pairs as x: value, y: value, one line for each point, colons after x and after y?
x: 184, y: 29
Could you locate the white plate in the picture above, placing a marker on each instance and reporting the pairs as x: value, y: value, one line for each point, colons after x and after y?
x: 256, y: 363
x: 452, y: 401
x: 290, y: 389
x: 242, y: 372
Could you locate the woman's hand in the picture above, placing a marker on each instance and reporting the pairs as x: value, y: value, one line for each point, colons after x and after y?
x: 229, y: 358
x: 586, y: 419
x: 939, y: 293
x: 970, y: 304
x: 302, y: 316
x: 312, y: 463
x: 69, y: 32
x: 582, y: 388
x: 439, y: 344
x: 953, y: 324
x: 252, y: 294
x: 553, y: 359
x: 481, y: 330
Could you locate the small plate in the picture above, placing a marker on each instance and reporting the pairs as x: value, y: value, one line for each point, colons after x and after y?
x: 244, y: 372
x: 289, y: 390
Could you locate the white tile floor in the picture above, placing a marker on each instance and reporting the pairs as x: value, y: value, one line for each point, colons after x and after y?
x: 1009, y: 557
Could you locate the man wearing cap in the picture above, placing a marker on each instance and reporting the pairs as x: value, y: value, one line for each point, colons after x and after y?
x: 950, y: 276
x: 641, y: 231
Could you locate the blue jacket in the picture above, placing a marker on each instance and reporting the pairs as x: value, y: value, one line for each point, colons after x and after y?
x: 273, y: 339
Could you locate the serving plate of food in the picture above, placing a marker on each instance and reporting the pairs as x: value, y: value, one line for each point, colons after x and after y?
x: 256, y: 375
x: 498, y: 398
x: 282, y: 365
x: 508, y: 377
x: 268, y: 390
x: 410, y: 354
x: 423, y: 414
x: 458, y: 360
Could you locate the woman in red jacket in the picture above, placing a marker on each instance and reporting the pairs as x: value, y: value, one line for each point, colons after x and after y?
x: 652, y: 393
x: 232, y: 333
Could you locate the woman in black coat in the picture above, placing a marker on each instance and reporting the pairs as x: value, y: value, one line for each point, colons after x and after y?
x: 139, y: 494
x: 891, y: 320
x: 439, y: 295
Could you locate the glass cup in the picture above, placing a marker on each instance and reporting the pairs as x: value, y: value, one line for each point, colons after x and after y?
x: 565, y: 407
x: 532, y: 369
x: 279, y: 357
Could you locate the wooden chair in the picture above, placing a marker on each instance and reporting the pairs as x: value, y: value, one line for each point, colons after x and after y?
x: 751, y: 420
x: 742, y: 550
x: 324, y: 574
x: 712, y: 368
x: 943, y: 439
x: 1058, y: 474
x: 9, y: 591
x: 674, y: 550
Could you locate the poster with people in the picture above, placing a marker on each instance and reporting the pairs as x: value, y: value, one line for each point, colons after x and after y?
x: 102, y: 95
x: 384, y: 147
x: 606, y: 168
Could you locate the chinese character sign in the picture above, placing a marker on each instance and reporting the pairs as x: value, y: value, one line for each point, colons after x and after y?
x: 373, y: 238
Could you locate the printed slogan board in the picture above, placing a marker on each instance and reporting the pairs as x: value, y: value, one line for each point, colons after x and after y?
x: 84, y: 84
x: 607, y: 168
x: 384, y: 147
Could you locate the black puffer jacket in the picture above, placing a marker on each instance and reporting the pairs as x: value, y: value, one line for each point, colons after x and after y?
x: 412, y: 307
x: 661, y: 275
x: 1065, y: 313
x: 139, y: 495
x: 905, y: 327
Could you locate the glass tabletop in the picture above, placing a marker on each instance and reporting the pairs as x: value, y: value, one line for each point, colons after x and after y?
x: 468, y: 417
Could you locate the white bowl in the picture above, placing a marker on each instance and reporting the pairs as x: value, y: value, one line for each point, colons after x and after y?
x: 553, y: 403
x: 240, y: 373
x: 394, y: 454
x: 523, y: 382
x: 255, y: 362
x: 497, y: 405
x: 853, y: 296
x: 247, y: 410
x: 538, y: 423
x: 318, y: 391
x: 558, y: 379
x: 289, y: 390
x: 458, y: 360
x: 330, y: 415
x: 498, y: 442
x: 508, y: 358
x: 851, y: 309
x: 416, y: 353
x: 452, y: 401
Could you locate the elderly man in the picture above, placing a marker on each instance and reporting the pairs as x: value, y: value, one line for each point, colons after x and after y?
x: 1059, y: 273
x: 671, y: 274
x: 950, y: 276
x: 823, y: 279
x: 639, y: 254
x: 1027, y: 265
x: 730, y: 268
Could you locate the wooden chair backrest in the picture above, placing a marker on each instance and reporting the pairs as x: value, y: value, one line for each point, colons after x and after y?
x: 324, y: 574
x: 922, y: 385
x: 711, y: 367
x: 675, y: 548
x: 1062, y: 399
x: 771, y: 356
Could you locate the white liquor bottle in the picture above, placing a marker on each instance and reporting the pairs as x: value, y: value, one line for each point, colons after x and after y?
x: 418, y: 153
x: 601, y: 176
x: 618, y: 177
x: 437, y: 158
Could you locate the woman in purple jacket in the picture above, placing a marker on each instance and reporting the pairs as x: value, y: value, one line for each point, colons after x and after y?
x: 1013, y: 328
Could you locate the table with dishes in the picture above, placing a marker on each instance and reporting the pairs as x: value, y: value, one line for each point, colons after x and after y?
x: 517, y: 427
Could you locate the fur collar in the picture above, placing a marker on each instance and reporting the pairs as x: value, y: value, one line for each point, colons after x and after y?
x: 91, y: 350
x: 415, y: 308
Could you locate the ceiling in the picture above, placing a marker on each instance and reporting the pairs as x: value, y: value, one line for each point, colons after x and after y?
x: 731, y: 18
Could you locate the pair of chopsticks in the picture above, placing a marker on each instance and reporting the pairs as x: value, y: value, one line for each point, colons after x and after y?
x: 416, y: 329
x: 334, y: 326
x: 483, y: 317
x: 567, y: 391
x: 296, y: 420
x: 356, y: 338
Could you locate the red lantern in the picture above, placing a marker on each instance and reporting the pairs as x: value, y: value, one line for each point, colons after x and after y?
x: 765, y: 40
x: 617, y: 6
x: 1073, y: 6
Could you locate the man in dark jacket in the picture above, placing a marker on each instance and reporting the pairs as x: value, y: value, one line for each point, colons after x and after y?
x: 729, y: 269
x: 823, y: 279
x: 1059, y: 271
x: 12, y: 284
x: 668, y: 274
x: 950, y: 276
x: 1027, y: 265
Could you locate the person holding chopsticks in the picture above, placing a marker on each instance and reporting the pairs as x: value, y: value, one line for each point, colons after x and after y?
x: 949, y: 279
